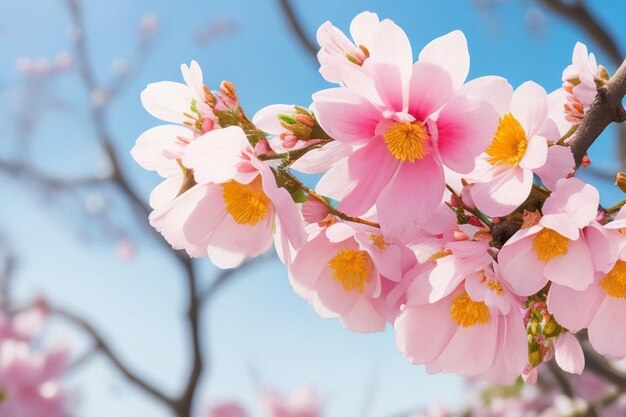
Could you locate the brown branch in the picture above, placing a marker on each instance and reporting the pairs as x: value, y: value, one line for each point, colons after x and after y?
x: 296, y: 26
x: 27, y: 172
x: 606, y: 109
x: 105, y: 349
x: 578, y: 13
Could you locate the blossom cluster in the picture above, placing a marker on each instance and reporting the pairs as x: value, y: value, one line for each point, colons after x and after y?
x: 445, y: 206
x: 30, y: 376
x: 303, y: 402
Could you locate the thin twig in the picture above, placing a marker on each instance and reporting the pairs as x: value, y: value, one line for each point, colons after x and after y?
x: 103, y: 347
x: 296, y: 26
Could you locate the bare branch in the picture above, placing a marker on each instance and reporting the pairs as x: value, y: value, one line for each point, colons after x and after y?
x: 105, y: 349
x: 606, y: 109
x: 296, y: 26
x: 27, y: 172
x: 578, y: 13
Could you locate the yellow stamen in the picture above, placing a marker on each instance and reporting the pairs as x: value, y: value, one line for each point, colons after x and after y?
x: 379, y: 241
x: 495, y: 286
x: 467, y: 313
x: 614, y: 283
x: 509, y: 143
x: 549, y: 244
x: 350, y: 268
x: 246, y: 203
x: 407, y: 141
x: 441, y: 254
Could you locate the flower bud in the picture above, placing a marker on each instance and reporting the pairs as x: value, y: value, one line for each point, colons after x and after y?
x: 620, y: 181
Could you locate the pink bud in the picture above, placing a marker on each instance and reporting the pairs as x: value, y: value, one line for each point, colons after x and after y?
x: 148, y: 24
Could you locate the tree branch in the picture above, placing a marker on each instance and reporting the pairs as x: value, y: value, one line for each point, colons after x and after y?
x: 606, y: 109
x: 105, y: 349
x: 578, y: 13
x: 298, y: 30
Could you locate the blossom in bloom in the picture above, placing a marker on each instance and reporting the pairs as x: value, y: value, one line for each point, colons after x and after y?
x: 29, y: 377
x: 186, y: 104
x: 504, y: 174
x: 227, y: 409
x: 601, y: 306
x: 558, y: 249
x: 477, y: 329
x: 230, y: 213
x: 579, y: 83
x: 374, y: 41
x: 346, y: 270
x: 403, y: 133
x: 304, y: 402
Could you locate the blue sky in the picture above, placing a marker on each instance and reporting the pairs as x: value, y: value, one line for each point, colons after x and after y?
x: 257, y: 325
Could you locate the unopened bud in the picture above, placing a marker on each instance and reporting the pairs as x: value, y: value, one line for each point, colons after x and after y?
x: 534, y: 358
x: 586, y: 161
x: 620, y: 181
x: 305, y: 119
x: 228, y: 89
x: 209, y: 98
x: 551, y: 328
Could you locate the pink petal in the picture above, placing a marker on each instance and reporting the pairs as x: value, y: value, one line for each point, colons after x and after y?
x: 536, y: 153
x: 320, y: 160
x: 496, y: 90
x: 392, y: 46
x: 369, y: 179
x: 193, y: 77
x: 569, y: 354
x: 167, y: 100
x: 337, y: 182
x: 562, y: 298
x: 520, y: 267
x: 346, y: 116
x: 604, y: 335
x: 529, y: 105
x: 576, y: 198
x: 309, y: 263
x: 267, y: 120
x: 430, y: 88
x: 470, y: 352
x: 419, y: 336
x: 361, y: 27
x: 573, y: 269
x: 332, y: 295
x: 559, y: 164
x: 504, y: 193
x: 410, y: 198
x: 165, y: 192
x: 363, y: 317
x: 214, y: 156
x: 561, y: 223
x: 465, y: 128
x: 449, y: 52
x: 150, y: 146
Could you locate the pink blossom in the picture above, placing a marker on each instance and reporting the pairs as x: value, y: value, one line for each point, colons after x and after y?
x: 475, y: 330
x: 346, y: 270
x: 601, y: 306
x: 579, y: 83
x: 185, y: 104
x: 374, y: 41
x: 304, y: 402
x: 230, y: 213
x: 556, y: 249
x: 504, y: 174
x: 402, y: 132
x: 568, y: 353
x: 227, y: 409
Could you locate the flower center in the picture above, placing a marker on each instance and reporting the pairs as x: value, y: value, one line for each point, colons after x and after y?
x: 549, y: 244
x: 407, y: 141
x: 509, y: 143
x: 246, y: 203
x: 614, y: 283
x: 467, y: 313
x: 350, y: 269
